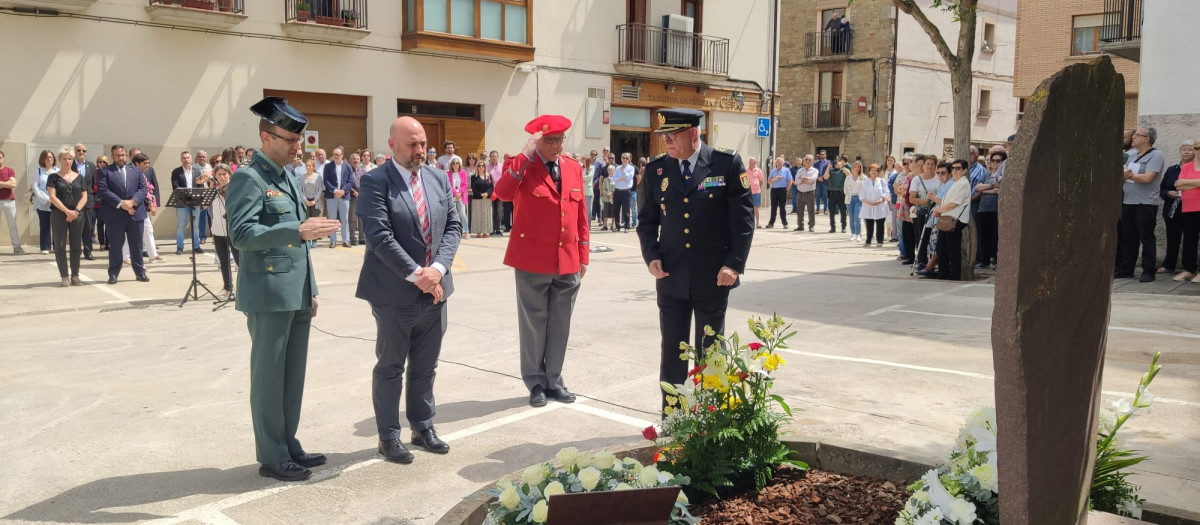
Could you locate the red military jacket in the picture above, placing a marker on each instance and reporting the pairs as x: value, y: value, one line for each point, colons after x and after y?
x: 550, y: 232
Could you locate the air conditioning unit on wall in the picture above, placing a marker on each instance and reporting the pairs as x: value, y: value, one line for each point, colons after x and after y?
x: 677, y: 43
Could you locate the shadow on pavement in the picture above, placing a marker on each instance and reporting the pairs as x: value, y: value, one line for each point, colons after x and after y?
x: 449, y: 413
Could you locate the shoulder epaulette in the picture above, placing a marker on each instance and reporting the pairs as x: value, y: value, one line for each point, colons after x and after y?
x: 726, y: 151
x: 659, y: 157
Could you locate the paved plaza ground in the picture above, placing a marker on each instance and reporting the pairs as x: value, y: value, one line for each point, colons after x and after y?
x: 119, y: 406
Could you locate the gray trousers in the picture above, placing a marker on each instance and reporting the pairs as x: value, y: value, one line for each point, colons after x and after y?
x: 8, y: 211
x: 411, y: 333
x: 544, y: 305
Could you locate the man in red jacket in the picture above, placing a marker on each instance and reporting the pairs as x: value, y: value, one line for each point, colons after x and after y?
x: 548, y: 247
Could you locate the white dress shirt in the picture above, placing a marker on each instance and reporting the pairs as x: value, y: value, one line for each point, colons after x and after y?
x: 407, y: 175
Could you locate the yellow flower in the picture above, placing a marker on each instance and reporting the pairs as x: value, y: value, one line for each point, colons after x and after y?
x: 733, y: 380
x: 623, y: 486
x: 589, y: 477
x: 540, y: 510
x: 554, y: 488
x: 566, y: 456
x: 712, y: 381
x: 603, y: 460
x: 510, y: 499
x: 774, y: 361
x: 534, y: 475
x: 648, y: 477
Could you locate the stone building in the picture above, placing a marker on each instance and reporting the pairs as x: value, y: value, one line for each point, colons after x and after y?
x: 886, y: 91
x: 167, y: 77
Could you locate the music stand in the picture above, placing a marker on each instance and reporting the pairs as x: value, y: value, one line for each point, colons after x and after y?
x: 193, y: 198
x: 617, y: 507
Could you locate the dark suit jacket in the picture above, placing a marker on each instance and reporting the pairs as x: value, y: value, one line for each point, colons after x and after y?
x: 178, y: 180
x: 395, y: 246
x: 696, y: 226
x: 331, y: 179
x: 113, y: 188
x: 89, y: 180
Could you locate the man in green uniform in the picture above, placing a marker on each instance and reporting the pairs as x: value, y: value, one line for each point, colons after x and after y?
x: 277, y: 289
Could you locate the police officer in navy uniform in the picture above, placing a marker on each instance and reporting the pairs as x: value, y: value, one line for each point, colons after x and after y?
x: 695, y: 227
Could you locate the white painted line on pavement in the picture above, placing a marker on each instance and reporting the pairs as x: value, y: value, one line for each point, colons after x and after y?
x: 211, y: 512
x: 101, y: 286
x: 619, y: 418
x: 1167, y: 333
x: 976, y: 375
x: 884, y: 310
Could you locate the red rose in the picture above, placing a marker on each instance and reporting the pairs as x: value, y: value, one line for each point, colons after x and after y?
x: 696, y: 370
x: 743, y: 375
x: 755, y: 346
x: 650, y: 433
x: 712, y: 408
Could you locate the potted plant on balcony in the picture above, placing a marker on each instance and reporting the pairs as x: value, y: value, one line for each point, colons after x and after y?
x: 349, y: 17
x: 302, y: 11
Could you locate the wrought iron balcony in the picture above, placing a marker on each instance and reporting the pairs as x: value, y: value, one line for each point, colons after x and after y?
x: 828, y: 44
x: 215, y: 14
x: 223, y: 6
x: 834, y: 114
x: 334, y: 13
x: 641, y: 44
x: 1121, y: 33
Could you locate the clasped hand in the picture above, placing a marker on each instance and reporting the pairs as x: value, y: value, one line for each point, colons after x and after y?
x: 429, y: 280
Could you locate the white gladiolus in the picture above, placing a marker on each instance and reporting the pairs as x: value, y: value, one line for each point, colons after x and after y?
x: 589, y: 477
x: 1108, y: 420
x: 1131, y: 507
x: 1145, y: 398
x: 1123, y: 407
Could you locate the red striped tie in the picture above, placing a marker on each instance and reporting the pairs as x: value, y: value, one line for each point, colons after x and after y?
x: 423, y: 215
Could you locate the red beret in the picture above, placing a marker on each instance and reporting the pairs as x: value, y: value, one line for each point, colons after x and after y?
x: 548, y: 125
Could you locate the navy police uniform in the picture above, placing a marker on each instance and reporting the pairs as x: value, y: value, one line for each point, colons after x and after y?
x: 696, y: 218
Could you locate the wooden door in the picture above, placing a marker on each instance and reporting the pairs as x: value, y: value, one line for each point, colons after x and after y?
x: 636, y: 31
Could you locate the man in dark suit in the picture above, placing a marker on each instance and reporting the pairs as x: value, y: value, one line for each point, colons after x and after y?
x: 695, y: 229
x: 339, y: 183
x: 122, y: 192
x: 87, y: 170
x: 412, y: 232
x: 187, y: 175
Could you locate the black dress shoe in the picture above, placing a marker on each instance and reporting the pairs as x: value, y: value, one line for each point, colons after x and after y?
x: 393, y: 450
x: 286, y: 471
x: 1147, y: 277
x: 537, y: 396
x: 308, y: 460
x: 143, y: 278
x: 199, y: 250
x: 1122, y: 275
x: 89, y: 257
x: 561, y: 395
x: 112, y: 280
x: 429, y: 440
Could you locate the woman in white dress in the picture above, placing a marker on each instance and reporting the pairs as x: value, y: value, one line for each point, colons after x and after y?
x: 875, y: 199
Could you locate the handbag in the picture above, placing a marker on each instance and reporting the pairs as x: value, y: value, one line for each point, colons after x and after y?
x: 945, y: 223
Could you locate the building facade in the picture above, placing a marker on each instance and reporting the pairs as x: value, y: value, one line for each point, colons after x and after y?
x: 884, y: 89
x: 1053, y: 34
x: 173, y: 76
x: 1167, y: 100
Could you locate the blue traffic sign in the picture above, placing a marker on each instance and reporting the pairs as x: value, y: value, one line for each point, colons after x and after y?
x: 764, y: 127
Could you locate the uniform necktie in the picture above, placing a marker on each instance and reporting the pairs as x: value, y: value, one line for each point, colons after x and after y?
x: 687, y: 169
x: 423, y: 216
x: 125, y: 177
x: 552, y: 169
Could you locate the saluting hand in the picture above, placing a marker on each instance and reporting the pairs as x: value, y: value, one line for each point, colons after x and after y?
x: 727, y: 276
x: 318, y: 227
x: 656, y: 269
x: 531, y: 145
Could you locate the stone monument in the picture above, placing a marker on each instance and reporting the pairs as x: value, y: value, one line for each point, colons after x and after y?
x: 1059, y: 205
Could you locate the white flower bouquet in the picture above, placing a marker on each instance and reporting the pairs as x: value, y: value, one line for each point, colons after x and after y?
x: 527, y: 500
x: 964, y: 490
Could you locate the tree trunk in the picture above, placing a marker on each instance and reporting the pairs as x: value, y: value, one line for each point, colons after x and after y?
x: 962, y: 83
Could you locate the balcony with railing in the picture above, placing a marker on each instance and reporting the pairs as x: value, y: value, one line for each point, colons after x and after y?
x: 827, y: 115
x: 332, y: 20
x: 1121, y: 33
x: 212, y: 14
x: 651, y: 51
x: 828, y: 44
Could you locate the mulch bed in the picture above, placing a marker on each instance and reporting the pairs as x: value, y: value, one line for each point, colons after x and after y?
x: 798, y: 497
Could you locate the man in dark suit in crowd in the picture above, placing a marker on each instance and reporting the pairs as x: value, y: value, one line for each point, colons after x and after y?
x: 412, y: 232
x: 339, y: 185
x: 122, y: 192
x: 695, y: 229
x: 87, y: 169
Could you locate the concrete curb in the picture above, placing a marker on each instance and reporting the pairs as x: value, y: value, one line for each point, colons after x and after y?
x: 830, y: 455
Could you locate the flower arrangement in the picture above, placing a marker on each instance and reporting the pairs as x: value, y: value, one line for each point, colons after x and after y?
x: 527, y: 500
x: 1111, y: 492
x: 964, y: 490
x: 722, y: 425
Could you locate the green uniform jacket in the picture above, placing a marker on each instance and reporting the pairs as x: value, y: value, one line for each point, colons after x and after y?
x: 264, y: 211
